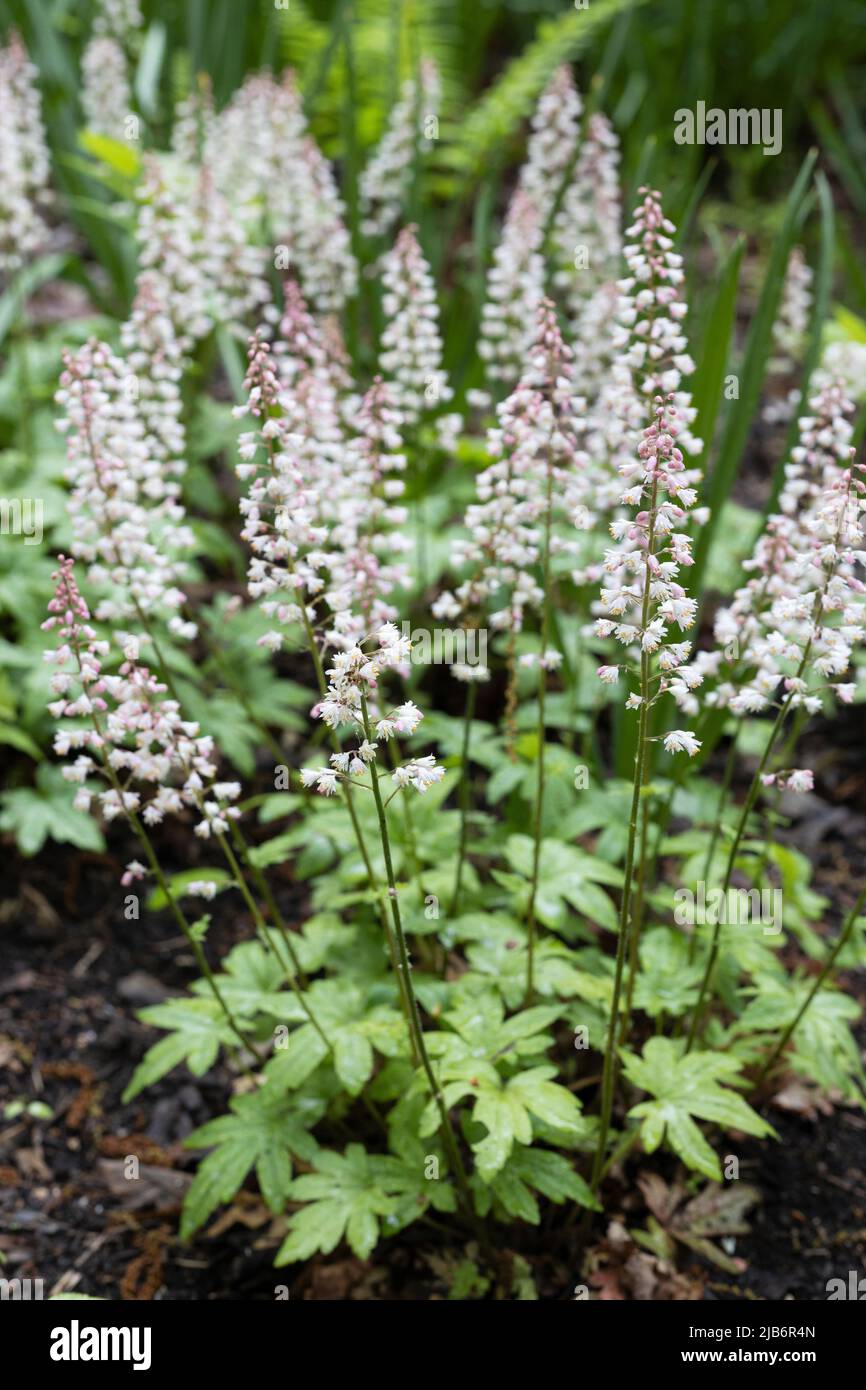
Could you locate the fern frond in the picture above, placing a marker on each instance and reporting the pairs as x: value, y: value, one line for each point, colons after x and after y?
x: 387, y: 40
x: 303, y: 40
x: 502, y: 109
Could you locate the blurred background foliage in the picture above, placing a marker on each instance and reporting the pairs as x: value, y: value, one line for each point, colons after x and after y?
x: 639, y: 59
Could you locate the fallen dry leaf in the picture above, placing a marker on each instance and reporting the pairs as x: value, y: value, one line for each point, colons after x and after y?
x: 154, y: 1187
x: 799, y: 1099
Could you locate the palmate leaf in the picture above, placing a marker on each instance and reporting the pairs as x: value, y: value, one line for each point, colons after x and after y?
x: 558, y: 775
x: 506, y: 1114
x: 329, y: 818
x: 823, y: 1045
x: 357, y: 1195
x: 349, y: 1032
x: 476, y: 1035
x: 685, y: 1087
x: 802, y: 904
x: 667, y: 983
x: 197, y: 1028
x: 253, y: 981
x: 567, y: 876
x: 317, y: 852
x: 598, y: 808
x: 744, y: 952
x: 486, y: 746
x: 435, y: 834
x: 262, y: 1132
x: 36, y: 814
x: 356, y: 952
x: 533, y: 1168
x: 825, y: 1048
x: 506, y: 1109
x: 405, y: 1178
x: 500, y: 953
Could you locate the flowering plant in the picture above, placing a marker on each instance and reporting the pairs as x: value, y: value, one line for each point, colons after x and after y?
x: 473, y: 973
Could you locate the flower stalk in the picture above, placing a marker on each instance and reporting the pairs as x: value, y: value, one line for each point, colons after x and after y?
x: 464, y: 795
x: 404, y: 969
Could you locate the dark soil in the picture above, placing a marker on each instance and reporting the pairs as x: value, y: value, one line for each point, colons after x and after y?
x: 811, y: 1224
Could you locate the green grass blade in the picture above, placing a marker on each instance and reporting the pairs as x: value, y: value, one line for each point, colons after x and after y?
x: 641, y: 174
x: 846, y: 167
x: 26, y: 283
x: 752, y: 372
x: 233, y: 361
x: 149, y: 69
x: 709, y: 379
x: 687, y: 216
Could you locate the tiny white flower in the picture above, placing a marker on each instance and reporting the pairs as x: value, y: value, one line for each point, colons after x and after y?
x: 681, y: 741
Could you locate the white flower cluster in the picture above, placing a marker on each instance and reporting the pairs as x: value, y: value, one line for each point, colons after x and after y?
x: 202, y: 268
x: 106, y: 97
x: 155, y: 362
x: 646, y: 600
x: 117, y: 19
x: 789, y: 334
x: 310, y: 346
x: 193, y: 125
x: 589, y: 242
x: 617, y: 413
x: 387, y: 178
x: 353, y: 679
x: 844, y: 361
x: 805, y: 566
x: 24, y: 160
x: 792, y: 325
x: 366, y: 541
x: 515, y: 290
x: 650, y: 359
x: 586, y: 230
x: 127, y: 455
x: 411, y: 349
x: 539, y: 472
x: 156, y: 762
x: 651, y: 314
x: 515, y: 281
x: 552, y: 142
x: 283, y: 524
x: 266, y: 164
x: 127, y: 519
x: 322, y: 506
